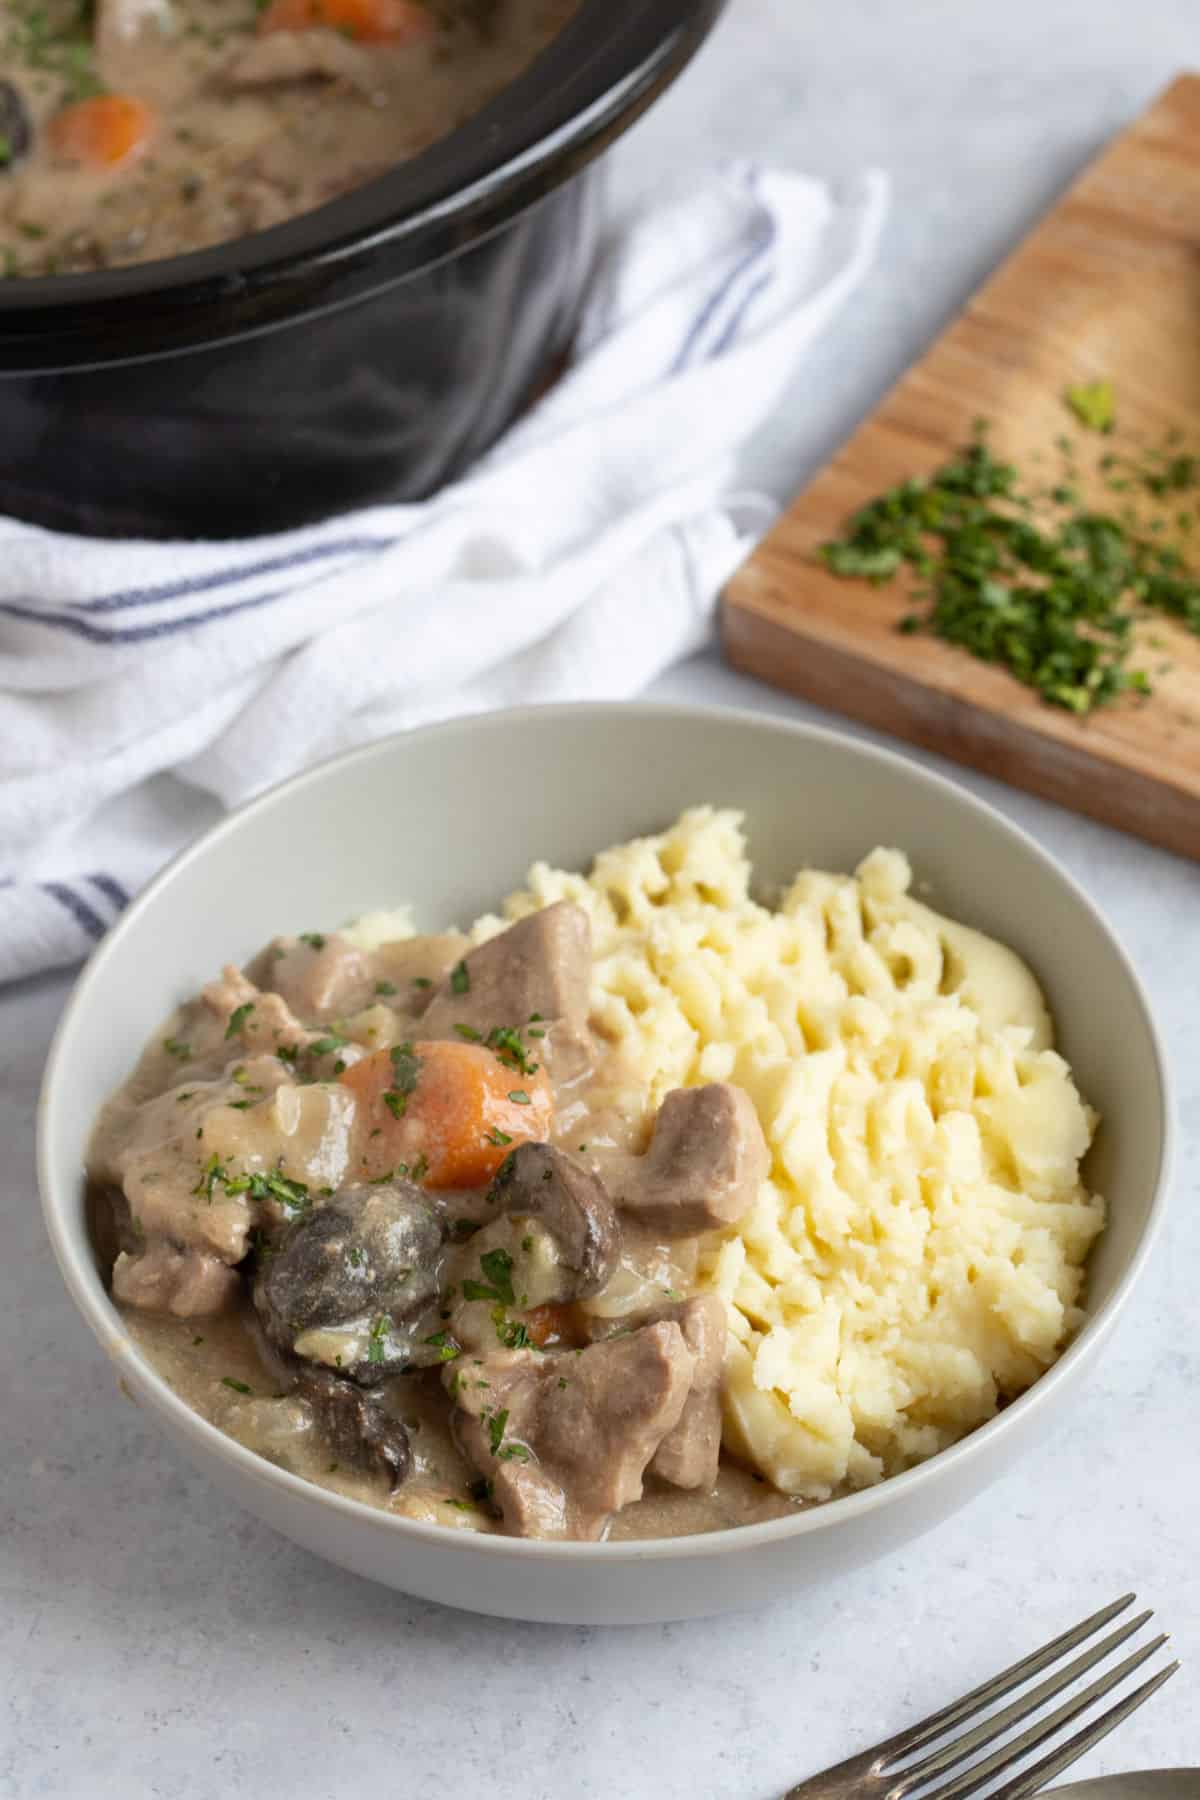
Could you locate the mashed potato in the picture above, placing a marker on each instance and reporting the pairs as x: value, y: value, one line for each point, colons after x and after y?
x: 917, y: 1254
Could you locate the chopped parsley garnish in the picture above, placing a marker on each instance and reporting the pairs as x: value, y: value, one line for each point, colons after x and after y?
x: 497, y: 1265
x: 519, y: 1097
x: 1094, y: 404
x: 196, y: 1341
x: 240, y: 1105
x: 511, y: 1332
x: 288, y: 1053
x: 322, y: 1046
x: 189, y: 1095
x: 461, y: 1229
x: 239, y: 1387
x: 314, y: 939
x: 406, y: 1073
x: 356, y: 1256
x: 293, y: 1196
x: 420, y: 1168
x: 377, y: 1339
x: 386, y: 989
x: 469, y: 1034
x: 460, y: 979
x: 209, y: 1176
x: 421, y: 981
x: 238, y: 1017
x: 495, y: 1423
x: 562, y: 1381
x: 177, y: 1047
x: 505, y: 1040
x: 447, y: 1350
x: 496, y: 1136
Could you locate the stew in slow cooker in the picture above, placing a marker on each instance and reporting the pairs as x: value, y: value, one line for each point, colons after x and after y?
x: 137, y: 129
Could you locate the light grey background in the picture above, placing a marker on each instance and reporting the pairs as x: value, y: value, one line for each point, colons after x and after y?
x: 154, y: 1641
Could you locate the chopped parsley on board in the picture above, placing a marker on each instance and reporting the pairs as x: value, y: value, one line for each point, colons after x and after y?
x: 1046, y: 578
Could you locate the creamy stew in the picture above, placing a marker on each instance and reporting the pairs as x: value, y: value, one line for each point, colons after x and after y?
x: 386, y: 1217
x: 138, y: 129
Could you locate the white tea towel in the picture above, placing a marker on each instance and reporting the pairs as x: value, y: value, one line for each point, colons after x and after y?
x: 578, y: 559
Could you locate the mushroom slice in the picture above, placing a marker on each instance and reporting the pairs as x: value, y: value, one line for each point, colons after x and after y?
x: 572, y: 1204
x: 369, y: 1258
x: 16, y: 127
x: 357, y: 1426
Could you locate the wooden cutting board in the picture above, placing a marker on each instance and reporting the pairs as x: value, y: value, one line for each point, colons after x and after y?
x: 1107, y: 286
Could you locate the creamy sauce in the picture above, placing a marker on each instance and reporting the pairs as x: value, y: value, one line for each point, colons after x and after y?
x: 244, y: 130
x: 440, y: 1488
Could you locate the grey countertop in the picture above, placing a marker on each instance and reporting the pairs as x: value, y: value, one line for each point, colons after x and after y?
x: 155, y: 1641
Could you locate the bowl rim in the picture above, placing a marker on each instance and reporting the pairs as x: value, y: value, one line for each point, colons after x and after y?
x: 583, y: 89
x: 99, y: 1313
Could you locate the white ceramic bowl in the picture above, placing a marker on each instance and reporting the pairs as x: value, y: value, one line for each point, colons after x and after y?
x: 449, y: 818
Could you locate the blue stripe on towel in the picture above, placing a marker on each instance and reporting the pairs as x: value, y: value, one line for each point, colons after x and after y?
x: 112, y: 890
x: 87, y: 920
x: 218, y: 578
x: 141, y: 634
x: 766, y: 233
x: 735, y: 324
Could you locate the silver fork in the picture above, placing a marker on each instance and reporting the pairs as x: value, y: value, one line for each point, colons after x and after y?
x: 894, y: 1768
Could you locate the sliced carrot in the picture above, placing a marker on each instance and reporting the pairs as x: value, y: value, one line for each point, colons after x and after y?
x: 455, y: 1105
x: 369, y: 21
x: 554, y: 1324
x: 101, y: 132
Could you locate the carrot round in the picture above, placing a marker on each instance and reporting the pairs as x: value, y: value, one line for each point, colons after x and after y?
x: 102, y: 132
x: 369, y: 21
x: 457, y: 1106
x: 553, y: 1324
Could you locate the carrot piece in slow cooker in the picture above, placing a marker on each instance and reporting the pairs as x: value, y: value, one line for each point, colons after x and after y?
x: 451, y: 1111
x: 368, y: 21
x: 102, y: 132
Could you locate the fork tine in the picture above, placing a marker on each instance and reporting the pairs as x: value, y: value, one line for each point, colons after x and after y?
x: 916, y: 1736
x: 981, y: 1773
x: 1029, y: 1702
x: 1035, y: 1779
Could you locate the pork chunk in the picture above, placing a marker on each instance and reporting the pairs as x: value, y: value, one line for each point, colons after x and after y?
x: 706, y: 1162
x: 540, y: 969
x: 317, y: 977
x: 688, y: 1455
x: 166, y: 1278
x: 288, y: 56
x: 261, y: 1024
x: 565, y: 1439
